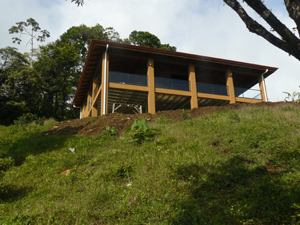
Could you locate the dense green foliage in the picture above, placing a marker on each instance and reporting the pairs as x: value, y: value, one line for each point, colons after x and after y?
x: 82, y: 35
x: 44, y: 81
x: 140, y: 132
x: 230, y: 167
x: 146, y: 39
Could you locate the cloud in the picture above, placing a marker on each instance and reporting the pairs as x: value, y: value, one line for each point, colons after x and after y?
x: 194, y: 26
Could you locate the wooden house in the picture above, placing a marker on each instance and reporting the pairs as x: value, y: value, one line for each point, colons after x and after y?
x: 149, y: 80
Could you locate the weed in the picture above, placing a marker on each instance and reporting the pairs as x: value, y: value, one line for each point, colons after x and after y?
x: 125, y: 171
x: 294, y: 97
x: 141, y: 132
x: 110, y: 130
x: 185, y: 115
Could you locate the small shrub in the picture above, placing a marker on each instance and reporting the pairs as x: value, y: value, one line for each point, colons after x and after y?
x: 141, y: 131
x: 29, y: 118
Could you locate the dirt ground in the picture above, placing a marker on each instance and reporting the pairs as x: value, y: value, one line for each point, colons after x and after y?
x: 95, y: 126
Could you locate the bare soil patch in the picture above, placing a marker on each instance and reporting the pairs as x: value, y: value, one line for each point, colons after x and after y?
x: 95, y: 126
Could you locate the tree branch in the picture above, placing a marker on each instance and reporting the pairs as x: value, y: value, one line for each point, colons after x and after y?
x: 269, y: 17
x: 290, y: 42
x: 293, y: 8
x: 78, y: 2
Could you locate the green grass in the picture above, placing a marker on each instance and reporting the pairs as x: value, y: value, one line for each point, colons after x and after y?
x: 231, y: 167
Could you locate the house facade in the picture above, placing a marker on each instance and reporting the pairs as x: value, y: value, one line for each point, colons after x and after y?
x: 118, y: 77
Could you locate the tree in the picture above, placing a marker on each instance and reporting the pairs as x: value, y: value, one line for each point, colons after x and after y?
x: 24, y: 85
x: 11, y: 62
x: 82, y: 35
x: 10, y: 59
x: 285, y: 39
x: 58, y: 65
x: 146, y: 39
x: 30, y: 28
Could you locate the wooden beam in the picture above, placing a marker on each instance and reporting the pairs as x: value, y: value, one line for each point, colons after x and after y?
x: 151, y: 86
x: 128, y: 87
x: 248, y: 100
x: 229, y: 84
x: 193, y: 86
x: 172, y: 92
x: 212, y: 96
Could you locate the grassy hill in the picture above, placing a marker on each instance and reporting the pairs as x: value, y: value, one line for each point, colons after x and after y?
x: 229, y: 167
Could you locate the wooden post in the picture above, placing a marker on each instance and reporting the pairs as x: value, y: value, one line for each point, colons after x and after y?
x: 102, y: 84
x: 193, y: 87
x: 151, y: 85
x: 229, y: 84
x: 261, y: 87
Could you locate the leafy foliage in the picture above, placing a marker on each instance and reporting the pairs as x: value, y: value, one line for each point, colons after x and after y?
x: 58, y: 66
x: 11, y: 110
x: 146, y: 39
x: 82, y: 35
x: 110, y: 130
x: 294, y: 97
x: 5, y: 164
x: 30, y: 28
x: 10, y: 59
x: 43, y: 82
x: 28, y: 118
x: 141, y: 131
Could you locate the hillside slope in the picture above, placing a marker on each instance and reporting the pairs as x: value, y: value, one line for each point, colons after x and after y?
x: 95, y: 126
x: 239, y: 165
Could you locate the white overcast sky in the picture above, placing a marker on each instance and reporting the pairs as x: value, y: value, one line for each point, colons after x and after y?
x: 203, y: 27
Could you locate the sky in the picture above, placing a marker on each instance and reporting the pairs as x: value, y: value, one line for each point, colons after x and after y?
x: 202, y: 27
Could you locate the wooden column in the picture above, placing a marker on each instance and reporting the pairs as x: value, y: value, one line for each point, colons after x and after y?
x: 230, y: 86
x: 193, y: 87
x: 151, y: 85
x: 261, y: 87
x: 102, y: 84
